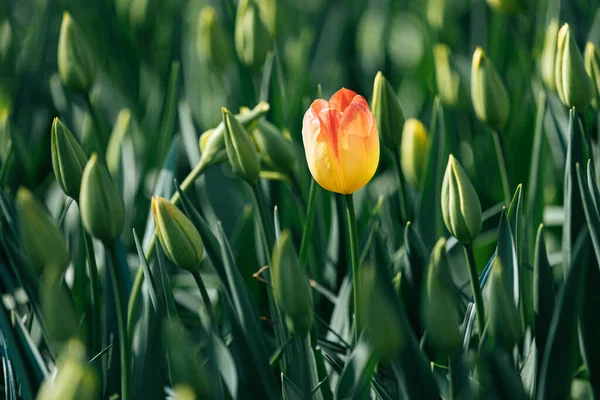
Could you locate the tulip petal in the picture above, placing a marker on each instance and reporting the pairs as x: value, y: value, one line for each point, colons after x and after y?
x: 342, y: 99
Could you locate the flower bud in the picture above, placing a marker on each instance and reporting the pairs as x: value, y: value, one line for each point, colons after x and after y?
x: 212, y: 142
x: 76, y: 65
x: 490, y: 98
x: 276, y: 151
x: 573, y: 85
x: 75, y: 379
x: 178, y: 236
x: 504, y: 320
x: 506, y: 6
x: 460, y: 205
x: 68, y: 159
x: 413, y: 150
x: 240, y: 149
x: 388, y: 112
x: 549, y: 55
x: 43, y: 243
x: 212, y: 42
x: 290, y: 286
x: 252, y: 38
x: 383, y: 319
x: 592, y: 67
x: 450, y: 83
x: 440, y: 317
x: 101, y: 205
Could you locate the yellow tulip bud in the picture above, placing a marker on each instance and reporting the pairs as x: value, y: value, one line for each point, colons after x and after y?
x: 212, y: 41
x: 460, y: 205
x: 178, y: 236
x: 549, y: 55
x: 341, y: 142
x: 252, y: 38
x: 68, y: 159
x: 290, y: 286
x: 76, y: 65
x: 592, y: 67
x: 413, y: 150
x: 440, y: 316
x: 573, y: 85
x: 101, y: 205
x: 490, y: 98
x: 240, y: 149
x: 43, y: 242
x: 450, y: 83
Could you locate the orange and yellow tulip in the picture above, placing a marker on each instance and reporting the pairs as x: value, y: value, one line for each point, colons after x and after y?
x: 341, y: 142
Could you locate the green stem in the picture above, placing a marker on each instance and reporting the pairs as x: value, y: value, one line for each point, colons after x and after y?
x: 205, y: 297
x: 120, y: 305
x: 402, y: 205
x: 96, y: 310
x: 139, y: 278
x: 308, y: 223
x: 502, y: 167
x: 475, y: 288
x: 265, y: 232
x: 100, y: 137
x: 354, y: 255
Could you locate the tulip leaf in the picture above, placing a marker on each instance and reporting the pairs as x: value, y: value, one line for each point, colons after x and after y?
x: 272, y: 89
x: 152, y: 288
x: 529, y: 369
x: 168, y: 113
x: 504, y: 381
x: 543, y: 292
x: 507, y: 255
x: 188, y: 133
x: 355, y: 380
x: 225, y: 365
x: 429, y: 213
x: 290, y: 390
x: 413, y: 272
x: 341, y: 321
x: 10, y: 386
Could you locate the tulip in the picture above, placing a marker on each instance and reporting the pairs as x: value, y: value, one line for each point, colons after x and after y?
x: 43, y: 242
x: 341, y: 142
x: 461, y: 209
x: 252, y: 37
x: 76, y: 65
x: 440, y: 317
x: 549, y: 55
x: 68, y: 159
x: 276, y: 151
x: 388, y: 112
x: 240, y: 149
x: 290, y: 286
x: 573, y: 85
x: 490, y: 98
x: 504, y: 324
x: 413, y: 150
x: 178, y: 236
x: 450, y: 83
x: 592, y: 67
x: 212, y: 41
x: 101, y: 205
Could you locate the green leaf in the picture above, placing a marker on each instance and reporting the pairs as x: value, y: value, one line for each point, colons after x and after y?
x: 272, y: 90
x: 225, y: 365
x: 168, y: 114
x: 356, y: 377
x: 503, y: 380
x: 188, y: 133
x: 152, y: 287
x: 429, y: 213
x: 544, y: 295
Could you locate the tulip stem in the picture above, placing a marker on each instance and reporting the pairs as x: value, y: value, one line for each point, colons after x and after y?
x: 354, y: 256
x: 205, y: 297
x: 265, y: 232
x: 101, y: 140
x: 475, y: 288
x: 120, y: 305
x: 404, y: 216
x: 308, y: 223
x: 136, y: 290
x: 502, y: 167
x: 95, y: 325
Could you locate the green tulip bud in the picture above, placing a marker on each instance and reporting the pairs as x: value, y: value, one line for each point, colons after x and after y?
x: 573, y: 85
x: 450, y: 83
x: 549, y: 55
x: 43, y: 242
x: 68, y: 159
x: 490, y: 98
x: 75, y: 379
x: 101, y: 205
x: 76, y: 65
x: 178, y: 236
x: 504, y: 320
x: 290, y: 286
x: 388, y: 112
x: 507, y: 6
x: 276, y: 151
x: 212, y: 142
x: 252, y: 38
x: 592, y: 67
x: 114, y: 148
x: 383, y: 319
x: 212, y: 42
x: 440, y: 317
x: 413, y: 150
x: 460, y: 205
x: 240, y: 149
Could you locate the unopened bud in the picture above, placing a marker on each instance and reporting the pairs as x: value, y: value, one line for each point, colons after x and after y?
x: 76, y: 65
x: 68, y: 159
x: 490, y: 98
